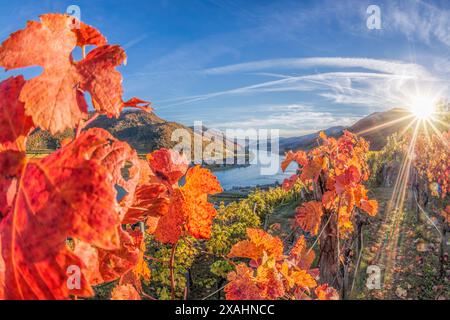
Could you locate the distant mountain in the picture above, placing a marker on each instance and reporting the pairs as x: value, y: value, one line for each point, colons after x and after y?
x: 378, y: 126
x: 145, y: 132
x: 375, y: 128
x: 307, y: 141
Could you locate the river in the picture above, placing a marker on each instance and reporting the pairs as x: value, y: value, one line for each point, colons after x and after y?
x: 250, y: 176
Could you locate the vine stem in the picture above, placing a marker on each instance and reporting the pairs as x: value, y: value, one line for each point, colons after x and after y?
x: 88, y: 122
x: 171, y: 266
x: 80, y: 125
x: 357, y: 261
x: 148, y: 296
x: 211, y: 294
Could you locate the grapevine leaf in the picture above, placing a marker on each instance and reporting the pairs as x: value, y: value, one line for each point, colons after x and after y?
x: 150, y: 201
x: 369, y: 206
x: 89, y: 256
x: 189, y: 211
x: 168, y: 165
x: 259, y: 243
x: 114, y: 155
x: 55, y: 99
x: 125, y: 292
x: 301, y: 256
x: 270, y: 282
x: 325, y: 292
x: 308, y: 216
x: 50, y: 98
x: 87, y: 35
x: 101, y: 80
x: 241, y: 285
x: 72, y: 193
x: 299, y: 157
x: 11, y: 164
x: 171, y: 225
x: 114, y: 263
x: 14, y: 124
x: 138, y: 103
x: 199, y: 184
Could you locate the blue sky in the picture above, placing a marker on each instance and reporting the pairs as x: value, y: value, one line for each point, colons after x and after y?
x: 299, y: 66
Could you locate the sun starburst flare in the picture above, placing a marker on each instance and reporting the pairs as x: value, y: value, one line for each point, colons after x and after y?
x: 428, y: 114
x: 423, y: 106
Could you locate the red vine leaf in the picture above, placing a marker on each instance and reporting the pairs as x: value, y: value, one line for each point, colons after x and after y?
x: 241, y: 285
x: 89, y: 256
x: 11, y: 164
x: 349, y: 178
x: 188, y: 211
x: 138, y: 103
x: 168, y: 165
x: 299, y: 157
x: 72, y: 193
x: 14, y: 124
x: 297, y: 277
x: 313, y: 168
x: 171, y: 226
x: 115, y: 263
x: 151, y: 201
x: 302, y: 256
x: 101, y: 80
x: 270, y: 282
x: 87, y: 35
x: 115, y: 156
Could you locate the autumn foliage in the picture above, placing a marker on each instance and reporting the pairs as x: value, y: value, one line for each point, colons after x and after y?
x: 81, y: 216
x: 432, y: 161
x: 61, y: 216
x: 335, y: 172
x: 271, y: 274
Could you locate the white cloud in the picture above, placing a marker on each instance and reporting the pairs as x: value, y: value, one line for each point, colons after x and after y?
x: 385, y: 66
x: 289, y: 118
x: 379, y: 83
x: 420, y: 20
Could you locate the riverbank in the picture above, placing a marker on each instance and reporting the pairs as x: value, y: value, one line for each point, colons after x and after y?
x: 238, y: 193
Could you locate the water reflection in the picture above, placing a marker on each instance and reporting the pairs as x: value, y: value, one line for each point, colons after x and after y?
x: 250, y: 176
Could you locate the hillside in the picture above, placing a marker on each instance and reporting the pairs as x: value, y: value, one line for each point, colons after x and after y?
x: 306, y: 141
x: 375, y: 128
x: 145, y: 132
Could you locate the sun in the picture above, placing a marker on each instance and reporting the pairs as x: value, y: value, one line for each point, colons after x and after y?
x: 422, y: 106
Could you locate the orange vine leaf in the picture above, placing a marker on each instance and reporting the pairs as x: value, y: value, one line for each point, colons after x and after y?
x: 125, y: 292
x: 325, y: 292
x: 309, y: 215
x: 259, y: 243
x: 55, y: 98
